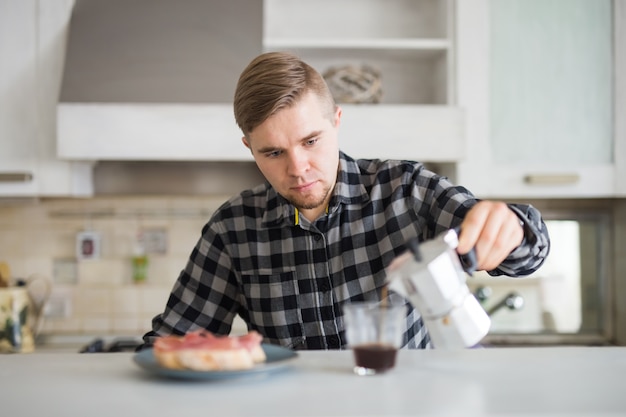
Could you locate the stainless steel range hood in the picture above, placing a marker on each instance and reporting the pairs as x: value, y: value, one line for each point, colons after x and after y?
x: 154, y: 79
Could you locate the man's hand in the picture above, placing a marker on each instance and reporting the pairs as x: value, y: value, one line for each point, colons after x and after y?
x: 494, y: 230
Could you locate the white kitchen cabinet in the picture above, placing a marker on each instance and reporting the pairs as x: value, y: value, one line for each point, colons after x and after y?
x: 127, y: 112
x: 543, y: 86
x: 31, y: 57
x: 410, y: 43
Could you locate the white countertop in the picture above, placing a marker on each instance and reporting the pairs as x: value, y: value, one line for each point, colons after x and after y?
x: 554, y: 381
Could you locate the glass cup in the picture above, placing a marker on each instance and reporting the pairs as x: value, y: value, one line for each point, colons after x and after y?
x: 374, y: 332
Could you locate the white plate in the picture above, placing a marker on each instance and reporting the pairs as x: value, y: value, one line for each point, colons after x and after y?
x: 278, y: 359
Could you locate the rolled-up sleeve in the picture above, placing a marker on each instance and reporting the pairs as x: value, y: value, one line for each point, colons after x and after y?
x: 532, y: 252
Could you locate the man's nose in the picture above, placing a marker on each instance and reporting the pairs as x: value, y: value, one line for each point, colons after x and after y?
x: 298, y: 163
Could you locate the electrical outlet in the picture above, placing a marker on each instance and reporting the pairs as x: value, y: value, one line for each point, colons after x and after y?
x: 65, y: 271
x: 58, y: 306
x: 155, y: 240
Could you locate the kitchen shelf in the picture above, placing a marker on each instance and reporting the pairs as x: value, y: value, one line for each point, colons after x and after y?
x: 113, y: 212
x: 181, y: 132
x: 408, y: 44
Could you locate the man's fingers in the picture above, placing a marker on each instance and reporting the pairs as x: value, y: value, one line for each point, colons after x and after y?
x: 472, y: 226
x: 493, y: 242
x: 493, y: 230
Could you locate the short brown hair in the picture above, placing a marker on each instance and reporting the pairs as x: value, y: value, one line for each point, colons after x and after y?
x: 274, y: 81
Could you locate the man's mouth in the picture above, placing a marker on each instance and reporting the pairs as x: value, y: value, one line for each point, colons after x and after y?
x: 304, y: 187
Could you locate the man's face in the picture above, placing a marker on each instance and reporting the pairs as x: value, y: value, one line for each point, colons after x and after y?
x: 297, y: 151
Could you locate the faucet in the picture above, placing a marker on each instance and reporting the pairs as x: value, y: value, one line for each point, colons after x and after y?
x: 512, y: 301
x: 482, y: 293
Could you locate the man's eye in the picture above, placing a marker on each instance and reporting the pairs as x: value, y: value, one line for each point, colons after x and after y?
x: 272, y: 154
x: 311, y: 142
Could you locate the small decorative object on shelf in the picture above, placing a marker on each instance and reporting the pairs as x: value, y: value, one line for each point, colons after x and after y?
x: 354, y: 85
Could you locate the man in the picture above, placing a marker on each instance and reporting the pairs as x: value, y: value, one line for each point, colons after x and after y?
x: 323, y: 228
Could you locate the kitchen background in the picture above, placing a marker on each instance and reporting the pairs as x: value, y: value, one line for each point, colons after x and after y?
x: 100, y: 295
x: 103, y: 122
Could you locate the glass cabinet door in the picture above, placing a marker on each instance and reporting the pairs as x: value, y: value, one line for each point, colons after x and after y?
x: 540, y: 81
x: 551, y: 81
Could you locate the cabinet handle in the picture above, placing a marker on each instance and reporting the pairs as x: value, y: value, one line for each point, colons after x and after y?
x: 16, y: 176
x: 551, y: 179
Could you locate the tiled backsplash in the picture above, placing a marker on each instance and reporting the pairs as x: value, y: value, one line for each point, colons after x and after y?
x: 99, y: 296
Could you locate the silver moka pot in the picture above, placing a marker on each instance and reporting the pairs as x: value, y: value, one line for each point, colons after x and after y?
x: 432, y: 277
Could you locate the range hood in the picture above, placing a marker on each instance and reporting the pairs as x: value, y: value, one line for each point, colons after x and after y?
x: 154, y: 79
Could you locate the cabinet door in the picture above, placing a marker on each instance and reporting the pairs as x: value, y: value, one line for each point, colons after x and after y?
x: 31, y: 60
x: 18, y: 113
x: 537, y: 79
x: 58, y: 177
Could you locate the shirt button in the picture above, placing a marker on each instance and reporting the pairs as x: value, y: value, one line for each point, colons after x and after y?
x: 324, y: 287
x: 317, y: 237
x: 333, y: 342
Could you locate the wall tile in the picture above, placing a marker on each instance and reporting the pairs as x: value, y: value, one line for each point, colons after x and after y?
x: 93, y: 300
x: 12, y: 244
x: 127, y: 325
x: 163, y: 271
x: 67, y: 325
x: 26, y: 267
x: 145, y: 319
x: 125, y: 302
x: 152, y: 299
x: 102, y: 272
x: 97, y: 324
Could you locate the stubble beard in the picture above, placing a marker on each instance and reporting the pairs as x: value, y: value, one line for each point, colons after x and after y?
x: 308, y: 202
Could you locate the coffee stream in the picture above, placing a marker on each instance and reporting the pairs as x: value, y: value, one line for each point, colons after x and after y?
x: 384, y: 295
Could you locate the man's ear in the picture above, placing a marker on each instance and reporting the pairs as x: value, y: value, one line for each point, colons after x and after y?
x: 245, y: 143
x: 338, y: 113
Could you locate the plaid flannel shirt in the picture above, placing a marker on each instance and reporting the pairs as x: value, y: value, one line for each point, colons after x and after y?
x: 287, y: 277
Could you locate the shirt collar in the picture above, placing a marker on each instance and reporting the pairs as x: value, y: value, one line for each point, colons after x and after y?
x: 348, y: 190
